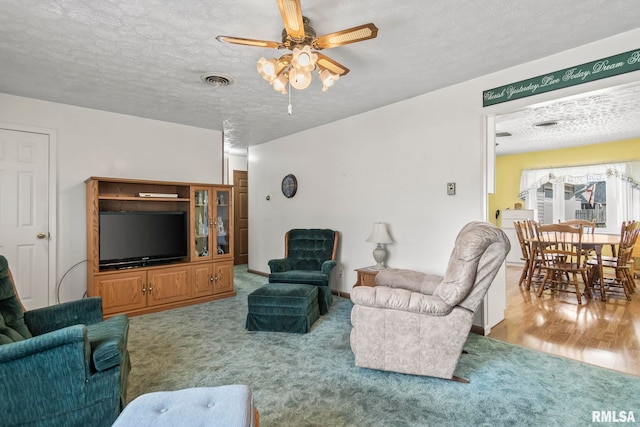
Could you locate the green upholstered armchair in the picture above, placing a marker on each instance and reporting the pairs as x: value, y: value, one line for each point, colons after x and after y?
x: 60, y: 365
x: 310, y: 258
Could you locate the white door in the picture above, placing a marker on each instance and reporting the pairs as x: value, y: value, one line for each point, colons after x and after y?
x: 24, y: 212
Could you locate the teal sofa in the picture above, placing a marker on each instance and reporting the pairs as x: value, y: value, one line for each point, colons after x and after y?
x: 60, y: 365
x: 310, y: 257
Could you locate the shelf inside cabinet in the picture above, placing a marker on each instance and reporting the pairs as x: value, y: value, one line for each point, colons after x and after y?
x: 141, y: 199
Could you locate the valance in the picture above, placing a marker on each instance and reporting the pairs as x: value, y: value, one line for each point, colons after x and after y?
x: 532, y: 179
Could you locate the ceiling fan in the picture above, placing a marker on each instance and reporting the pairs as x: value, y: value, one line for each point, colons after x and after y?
x: 299, y: 36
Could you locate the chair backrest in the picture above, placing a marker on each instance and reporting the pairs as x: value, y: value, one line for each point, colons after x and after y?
x: 523, y: 235
x: 588, y: 227
x: 308, y: 248
x: 479, y: 252
x: 628, y: 237
x: 561, y: 244
x: 12, y: 326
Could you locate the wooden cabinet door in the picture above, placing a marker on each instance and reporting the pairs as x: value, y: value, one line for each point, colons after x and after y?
x: 202, y: 247
x: 203, y: 279
x: 168, y: 285
x: 122, y: 292
x: 223, y: 277
x: 222, y: 231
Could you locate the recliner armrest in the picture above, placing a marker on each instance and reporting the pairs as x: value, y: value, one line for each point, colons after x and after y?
x: 108, y: 341
x: 409, y: 279
x: 106, y: 354
x: 399, y: 299
x: 327, y: 267
x: 279, y: 265
x: 84, y: 311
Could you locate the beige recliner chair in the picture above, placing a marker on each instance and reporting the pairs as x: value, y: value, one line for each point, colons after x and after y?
x: 417, y: 323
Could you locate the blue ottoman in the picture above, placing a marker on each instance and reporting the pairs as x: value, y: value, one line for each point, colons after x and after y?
x: 283, y: 307
x: 223, y: 406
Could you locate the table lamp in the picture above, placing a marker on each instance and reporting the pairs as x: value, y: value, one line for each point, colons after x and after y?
x: 380, y: 236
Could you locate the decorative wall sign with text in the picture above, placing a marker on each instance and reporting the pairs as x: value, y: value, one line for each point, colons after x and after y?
x: 595, y: 70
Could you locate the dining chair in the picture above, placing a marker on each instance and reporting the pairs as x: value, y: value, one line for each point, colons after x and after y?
x: 622, y: 277
x: 529, y: 254
x: 588, y: 227
x: 563, y: 259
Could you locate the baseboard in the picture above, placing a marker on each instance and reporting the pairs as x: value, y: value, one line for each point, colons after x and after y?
x: 341, y: 294
x: 259, y: 273
x: 478, y: 330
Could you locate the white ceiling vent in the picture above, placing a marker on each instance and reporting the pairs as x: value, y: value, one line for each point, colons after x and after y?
x: 216, y: 79
x: 545, y: 124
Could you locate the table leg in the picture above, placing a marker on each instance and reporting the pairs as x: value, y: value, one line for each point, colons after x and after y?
x: 598, y: 250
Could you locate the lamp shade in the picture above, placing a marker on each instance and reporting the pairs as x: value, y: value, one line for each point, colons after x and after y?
x: 328, y: 79
x: 268, y: 69
x: 299, y: 79
x: 379, y: 234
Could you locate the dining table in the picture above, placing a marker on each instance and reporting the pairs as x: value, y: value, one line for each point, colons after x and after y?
x: 595, y: 242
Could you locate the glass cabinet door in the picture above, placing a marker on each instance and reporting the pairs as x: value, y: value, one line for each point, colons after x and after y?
x: 222, y: 221
x: 201, y: 222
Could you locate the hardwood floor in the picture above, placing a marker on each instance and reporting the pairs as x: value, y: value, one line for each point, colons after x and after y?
x: 605, y: 334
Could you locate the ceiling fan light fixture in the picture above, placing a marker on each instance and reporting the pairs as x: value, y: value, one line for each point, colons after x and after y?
x: 268, y: 68
x: 299, y: 79
x: 303, y: 59
x: 280, y: 84
x: 327, y: 78
x: 299, y: 37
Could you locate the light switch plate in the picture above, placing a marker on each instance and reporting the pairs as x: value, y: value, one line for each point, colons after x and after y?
x: 451, y: 188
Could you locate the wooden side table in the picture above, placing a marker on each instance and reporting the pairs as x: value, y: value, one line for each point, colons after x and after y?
x: 366, y: 276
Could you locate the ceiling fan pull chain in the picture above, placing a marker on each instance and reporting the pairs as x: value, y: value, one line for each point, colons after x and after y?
x: 290, y: 108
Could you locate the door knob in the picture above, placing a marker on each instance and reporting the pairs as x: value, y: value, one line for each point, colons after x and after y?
x: 41, y: 235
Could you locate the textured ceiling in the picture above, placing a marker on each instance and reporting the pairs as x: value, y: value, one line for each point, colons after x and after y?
x: 146, y: 57
x: 592, y: 118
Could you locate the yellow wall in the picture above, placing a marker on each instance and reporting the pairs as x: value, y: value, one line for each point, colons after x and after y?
x: 509, y: 168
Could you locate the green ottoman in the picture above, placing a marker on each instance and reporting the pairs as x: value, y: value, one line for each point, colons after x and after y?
x: 283, y: 307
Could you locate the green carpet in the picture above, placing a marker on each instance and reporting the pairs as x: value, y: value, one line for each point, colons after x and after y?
x: 311, y: 380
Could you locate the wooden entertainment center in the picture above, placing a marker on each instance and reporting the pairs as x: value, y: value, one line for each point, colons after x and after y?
x: 204, y: 274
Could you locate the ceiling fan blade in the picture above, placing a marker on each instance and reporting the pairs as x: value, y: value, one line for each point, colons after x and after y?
x: 291, y: 12
x: 351, y: 35
x: 248, y: 42
x: 331, y: 65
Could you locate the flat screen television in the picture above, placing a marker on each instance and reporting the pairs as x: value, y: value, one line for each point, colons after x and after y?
x: 130, y: 239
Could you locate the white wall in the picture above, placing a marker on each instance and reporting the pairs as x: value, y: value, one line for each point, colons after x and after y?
x: 99, y: 143
x: 233, y: 163
x: 392, y: 165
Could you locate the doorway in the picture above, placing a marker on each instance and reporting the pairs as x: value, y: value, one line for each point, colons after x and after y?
x: 241, y: 217
x: 522, y: 303
x: 27, y: 211
x: 590, y: 128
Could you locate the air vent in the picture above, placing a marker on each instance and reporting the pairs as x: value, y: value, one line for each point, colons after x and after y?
x: 216, y: 79
x: 548, y: 123
x: 502, y: 134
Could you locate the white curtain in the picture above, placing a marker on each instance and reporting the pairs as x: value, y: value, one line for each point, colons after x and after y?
x: 623, y: 185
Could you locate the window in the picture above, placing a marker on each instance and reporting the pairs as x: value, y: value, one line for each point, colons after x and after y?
x: 608, y: 193
x: 582, y: 201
